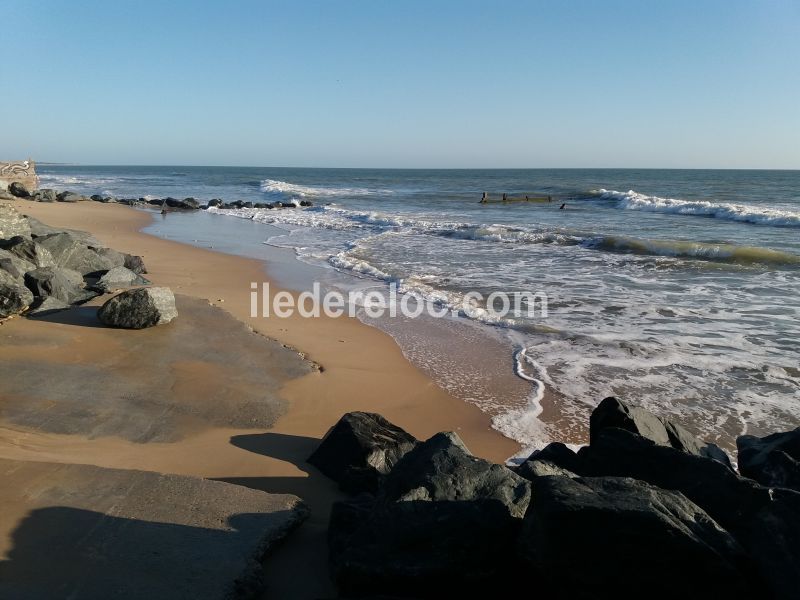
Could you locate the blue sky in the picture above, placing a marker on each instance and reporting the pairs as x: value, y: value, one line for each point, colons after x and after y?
x: 701, y: 83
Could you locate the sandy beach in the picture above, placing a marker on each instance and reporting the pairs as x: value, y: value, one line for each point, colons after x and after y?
x: 353, y: 367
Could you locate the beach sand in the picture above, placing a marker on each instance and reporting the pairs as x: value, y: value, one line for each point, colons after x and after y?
x: 360, y: 368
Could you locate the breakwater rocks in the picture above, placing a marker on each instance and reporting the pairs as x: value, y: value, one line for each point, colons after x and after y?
x: 19, y: 192
x: 45, y: 270
x: 645, y: 510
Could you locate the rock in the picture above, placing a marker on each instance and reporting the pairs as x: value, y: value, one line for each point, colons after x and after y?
x: 5, y: 195
x: 360, y: 450
x: 14, y: 298
x: 772, y: 460
x: 442, y: 468
x: 12, y: 223
x: 717, y: 489
x: 612, y: 412
x: 29, y: 251
x: 444, y: 522
x: 637, y: 541
x: 186, y: 203
x: 68, y: 196
x: 118, y: 277
x: 114, y: 258
x: 18, y: 190
x: 73, y: 253
x: 135, y: 264
x: 771, y: 537
x: 15, y: 266
x: 288, y: 205
x: 59, y: 283
x: 44, y: 195
x: 139, y: 308
x: 214, y: 202
x: 247, y: 205
x: 47, y: 306
x: 306, y: 203
x: 96, y: 198
x: 553, y: 459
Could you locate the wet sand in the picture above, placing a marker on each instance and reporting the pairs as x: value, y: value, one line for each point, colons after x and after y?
x: 361, y: 369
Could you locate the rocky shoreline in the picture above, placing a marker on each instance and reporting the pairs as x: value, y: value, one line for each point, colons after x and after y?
x: 645, y: 510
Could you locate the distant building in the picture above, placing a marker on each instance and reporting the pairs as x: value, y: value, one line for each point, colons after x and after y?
x: 22, y: 171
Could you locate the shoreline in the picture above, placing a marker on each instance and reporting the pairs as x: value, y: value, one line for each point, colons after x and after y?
x: 364, y: 369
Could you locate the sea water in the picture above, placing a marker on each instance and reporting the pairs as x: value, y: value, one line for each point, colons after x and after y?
x: 676, y: 290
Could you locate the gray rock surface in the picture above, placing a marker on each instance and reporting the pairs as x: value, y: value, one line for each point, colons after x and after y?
x: 47, y: 306
x: 135, y: 264
x: 44, y: 195
x: 28, y: 251
x: 360, y: 450
x: 68, y: 196
x: 86, y: 532
x: 11, y: 222
x: 612, y: 537
x: 14, y: 298
x: 116, y: 278
x: 61, y: 284
x: 612, y: 412
x: 71, y: 252
x: 139, y: 308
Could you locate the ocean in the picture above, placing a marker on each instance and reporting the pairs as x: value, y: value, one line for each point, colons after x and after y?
x: 674, y: 289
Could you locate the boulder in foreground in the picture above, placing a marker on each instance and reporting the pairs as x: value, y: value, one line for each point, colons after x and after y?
x: 63, y: 284
x: 14, y: 298
x: 612, y: 537
x: 139, y: 308
x: 360, y: 450
x: 12, y: 223
x: 18, y: 190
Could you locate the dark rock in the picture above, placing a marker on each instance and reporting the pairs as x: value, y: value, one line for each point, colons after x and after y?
x: 135, y: 264
x: 773, y: 460
x: 612, y: 412
x: 55, y: 282
x: 71, y: 252
x: 214, y: 202
x: 139, y: 308
x: 185, y: 204
x: 153, y: 201
x: 717, y: 489
x: 44, y: 195
x: 47, y: 306
x: 260, y: 205
x: 288, y: 205
x: 533, y: 469
x: 553, y: 459
x: 444, y: 522
x: 771, y: 537
x: 360, y: 450
x: 68, y: 196
x: 114, y: 258
x: 247, y: 205
x: 13, y: 265
x: 14, y: 298
x: 306, y: 203
x: 116, y: 278
x: 442, y: 468
x: 638, y: 540
x: 96, y: 198
x: 29, y: 251
x: 12, y: 223
x: 18, y: 190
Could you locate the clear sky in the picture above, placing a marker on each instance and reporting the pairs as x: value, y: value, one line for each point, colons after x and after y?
x: 374, y: 83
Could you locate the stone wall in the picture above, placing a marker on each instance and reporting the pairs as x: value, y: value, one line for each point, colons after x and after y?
x: 23, y: 171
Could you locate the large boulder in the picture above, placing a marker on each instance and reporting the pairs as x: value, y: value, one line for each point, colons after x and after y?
x: 116, y: 278
x: 19, y: 190
x: 716, y: 488
x: 620, y: 538
x: 12, y: 223
x: 68, y: 196
x: 135, y: 264
x: 14, y: 265
x: 44, y: 195
x: 612, y: 412
x: 63, y: 284
x: 72, y: 252
x: 186, y: 203
x: 47, y: 306
x: 360, y: 450
x: 29, y: 251
x: 139, y: 308
x: 14, y: 298
x: 442, y: 468
x: 444, y: 523
x: 773, y: 460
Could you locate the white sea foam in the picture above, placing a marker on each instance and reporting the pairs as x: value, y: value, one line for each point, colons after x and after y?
x: 632, y: 200
x: 295, y: 189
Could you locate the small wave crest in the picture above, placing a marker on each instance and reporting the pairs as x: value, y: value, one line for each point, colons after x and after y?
x: 632, y: 200
x: 275, y: 186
